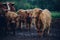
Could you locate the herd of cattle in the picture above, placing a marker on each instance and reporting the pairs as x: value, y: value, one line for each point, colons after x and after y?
x: 10, y: 20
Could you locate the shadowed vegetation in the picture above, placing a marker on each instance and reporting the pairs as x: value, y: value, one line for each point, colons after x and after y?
x: 52, y: 5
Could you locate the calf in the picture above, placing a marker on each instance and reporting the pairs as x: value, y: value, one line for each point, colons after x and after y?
x: 12, y: 18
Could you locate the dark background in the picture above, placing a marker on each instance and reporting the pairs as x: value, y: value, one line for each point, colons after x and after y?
x: 53, y: 5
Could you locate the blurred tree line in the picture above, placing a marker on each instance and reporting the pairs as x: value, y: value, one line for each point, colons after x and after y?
x: 52, y: 5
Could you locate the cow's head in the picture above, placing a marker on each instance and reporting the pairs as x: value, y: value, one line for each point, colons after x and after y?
x: 14, y: 19
x: 28, y: 13
x: 22, y: 13
x: 36, y: 12
x: 12, y: 16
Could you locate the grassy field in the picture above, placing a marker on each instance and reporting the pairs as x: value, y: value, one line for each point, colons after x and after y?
x: 55, y: 14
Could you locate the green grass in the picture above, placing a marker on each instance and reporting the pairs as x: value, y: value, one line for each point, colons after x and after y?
x: 55, y: 14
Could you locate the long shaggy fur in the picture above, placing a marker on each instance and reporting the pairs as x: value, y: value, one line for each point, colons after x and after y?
x: 43, y: 16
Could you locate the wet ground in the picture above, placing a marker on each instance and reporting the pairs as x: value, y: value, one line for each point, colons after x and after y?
x: 32, y: 34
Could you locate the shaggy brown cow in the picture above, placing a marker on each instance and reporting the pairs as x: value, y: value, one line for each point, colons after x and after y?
x: 25, y: 17
x: 28, y: 18
x: 12, y: 20
x: 22, y: 15
x: 42, y: 20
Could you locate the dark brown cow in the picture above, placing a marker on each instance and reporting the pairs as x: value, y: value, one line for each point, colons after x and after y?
x: 8, y: 19
x: 11, y: 7
x: 28, y: 18
x: 3, y: 20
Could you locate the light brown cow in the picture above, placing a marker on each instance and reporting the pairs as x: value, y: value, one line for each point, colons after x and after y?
x: 25, y: 17
x: 28, y: 18
x: 22, y: 17
x: 12, y: 20
x: 42, y: 20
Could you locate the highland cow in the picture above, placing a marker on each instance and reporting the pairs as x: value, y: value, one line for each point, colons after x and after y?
x: 22, y: 17
x: 12, y: 20
x: 25, y: 17
x: 28, y: 18
x: 42, y: 20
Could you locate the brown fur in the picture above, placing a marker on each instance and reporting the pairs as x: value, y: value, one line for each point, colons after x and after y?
x: 13, y: 17
x: 28, y: 25
x: 24, y: 14
x: 44, y: 19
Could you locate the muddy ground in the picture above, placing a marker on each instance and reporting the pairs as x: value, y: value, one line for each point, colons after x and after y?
x: 32, y: 34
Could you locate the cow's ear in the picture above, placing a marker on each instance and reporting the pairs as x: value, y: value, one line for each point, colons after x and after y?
x: 40, y: 11
x: 26, y: 12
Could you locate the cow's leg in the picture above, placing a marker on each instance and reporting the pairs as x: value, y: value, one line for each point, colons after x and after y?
x: 14, y: 27
x: 37, y: 27
x: 43, y: 28
x: 19, y: 25
x: 40, y: 28
x: 47, y: 30
x: 5, y: 31
x: 48, y: 27
x: 23, y: 22
x: 27, y: 26
x: 14, y: 31
x: 8, y: 28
